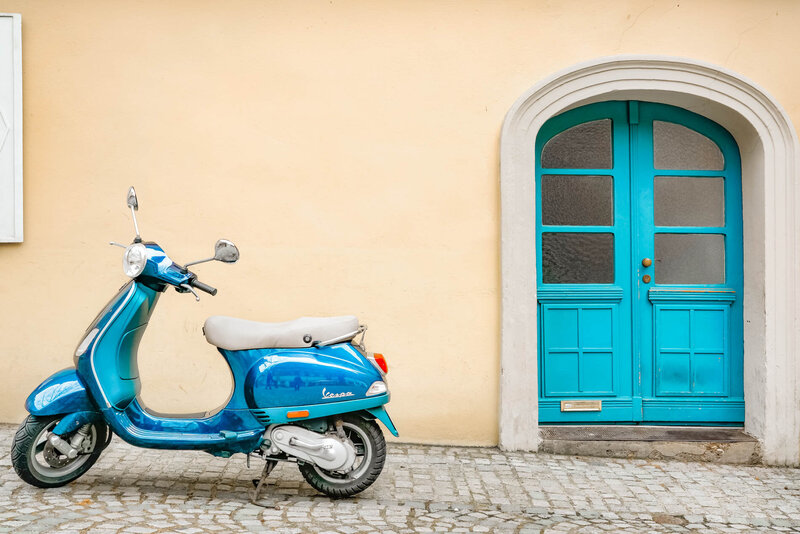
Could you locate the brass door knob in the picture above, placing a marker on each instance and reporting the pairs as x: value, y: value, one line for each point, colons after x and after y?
x: 647, y: 262
x: 646, y: 279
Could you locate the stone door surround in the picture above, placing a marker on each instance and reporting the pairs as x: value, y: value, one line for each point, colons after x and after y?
x: 770, y: 169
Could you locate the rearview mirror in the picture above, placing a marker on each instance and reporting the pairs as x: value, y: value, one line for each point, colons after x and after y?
x: 225, y: 251
x: 132, y: 202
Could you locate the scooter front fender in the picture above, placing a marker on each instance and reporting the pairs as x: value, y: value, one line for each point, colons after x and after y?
x: 62, y: 393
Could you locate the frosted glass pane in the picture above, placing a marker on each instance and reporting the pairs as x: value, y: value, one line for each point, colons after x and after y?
x: 690, y: 258
x: 577, y: 258
x: 578, y: 200
x: 680, y: 148
x: 682, y: 201
x: 585, y: 146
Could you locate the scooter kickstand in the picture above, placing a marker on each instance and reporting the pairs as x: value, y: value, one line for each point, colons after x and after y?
x: 259, y: 482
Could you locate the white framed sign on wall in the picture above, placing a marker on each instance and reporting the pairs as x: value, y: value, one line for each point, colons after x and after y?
x: 10, y: 128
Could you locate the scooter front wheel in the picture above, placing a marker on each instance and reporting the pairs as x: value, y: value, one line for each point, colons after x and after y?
x: 38, y: 463
x: 370, y: 456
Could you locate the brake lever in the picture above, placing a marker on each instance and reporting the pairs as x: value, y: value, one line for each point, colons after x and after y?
x: 117, y: 244
x: 187, y: 287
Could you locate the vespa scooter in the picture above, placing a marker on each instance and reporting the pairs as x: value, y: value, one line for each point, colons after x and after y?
x: 304, y: 391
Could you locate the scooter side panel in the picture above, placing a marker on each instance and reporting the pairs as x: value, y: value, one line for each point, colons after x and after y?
x: 63, y: 392
x: 240, y: 362
x: 295, y: 377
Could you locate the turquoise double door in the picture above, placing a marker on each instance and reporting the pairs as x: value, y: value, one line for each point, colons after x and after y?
x: 639, y: 269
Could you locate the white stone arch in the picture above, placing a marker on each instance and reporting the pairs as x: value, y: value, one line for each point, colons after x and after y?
x: 770, y: 169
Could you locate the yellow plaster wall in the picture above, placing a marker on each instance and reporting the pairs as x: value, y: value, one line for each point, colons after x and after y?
x: 350, y: 149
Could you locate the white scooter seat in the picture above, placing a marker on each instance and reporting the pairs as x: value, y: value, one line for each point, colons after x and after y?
x: 240, y: 334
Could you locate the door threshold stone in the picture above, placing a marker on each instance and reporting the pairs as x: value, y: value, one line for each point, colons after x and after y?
x: 726, y: 445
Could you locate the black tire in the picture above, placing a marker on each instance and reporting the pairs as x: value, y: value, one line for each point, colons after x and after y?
x: 30, y: 443
x: 368, y: 438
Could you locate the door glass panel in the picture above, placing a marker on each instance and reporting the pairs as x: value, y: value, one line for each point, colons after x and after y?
x: 577, y: 258
x: 577, y: 200
x: 585, y: 146
x: 680, y: 148
x: 690, y: 258
x: 684, y: 201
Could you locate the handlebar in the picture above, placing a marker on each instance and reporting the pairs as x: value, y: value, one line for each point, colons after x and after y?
x: 197, y: 284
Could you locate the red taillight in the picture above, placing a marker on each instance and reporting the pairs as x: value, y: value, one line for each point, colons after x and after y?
x: 381, y: 361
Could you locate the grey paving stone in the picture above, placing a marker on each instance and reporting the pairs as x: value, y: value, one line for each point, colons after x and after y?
x: 422, y: 489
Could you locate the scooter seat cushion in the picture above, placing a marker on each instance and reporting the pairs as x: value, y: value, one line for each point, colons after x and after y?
x: 240, y: 334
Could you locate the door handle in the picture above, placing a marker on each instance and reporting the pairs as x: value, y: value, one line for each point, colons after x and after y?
x: 647, y: 262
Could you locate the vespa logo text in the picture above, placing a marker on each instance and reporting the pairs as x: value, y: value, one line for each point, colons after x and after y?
x: 326, y: 395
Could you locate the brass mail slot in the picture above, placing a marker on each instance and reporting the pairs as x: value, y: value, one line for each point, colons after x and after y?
x: 582, y: 406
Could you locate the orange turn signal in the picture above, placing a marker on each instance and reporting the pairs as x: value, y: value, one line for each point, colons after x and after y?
x: 381, y: 361
x: 296, y: 415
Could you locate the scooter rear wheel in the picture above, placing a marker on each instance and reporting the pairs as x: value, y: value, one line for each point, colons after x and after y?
x: 370, y: 453
x: 39, y: 464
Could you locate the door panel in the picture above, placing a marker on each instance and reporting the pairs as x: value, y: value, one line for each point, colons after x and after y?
x: 579, y: 349
x: 639, y: 266
x: 583, y: 229
x: 687, y: 177
x: 691, y: 355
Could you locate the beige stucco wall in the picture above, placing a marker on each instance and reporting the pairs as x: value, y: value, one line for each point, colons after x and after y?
x: 350, y: 149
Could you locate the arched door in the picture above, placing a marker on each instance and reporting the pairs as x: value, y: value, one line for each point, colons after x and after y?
x: 639, y: 268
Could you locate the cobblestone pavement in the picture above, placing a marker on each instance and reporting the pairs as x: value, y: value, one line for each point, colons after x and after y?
x: 422, y: 489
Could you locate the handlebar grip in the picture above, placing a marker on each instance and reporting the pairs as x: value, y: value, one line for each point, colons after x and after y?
x: 197, y: 284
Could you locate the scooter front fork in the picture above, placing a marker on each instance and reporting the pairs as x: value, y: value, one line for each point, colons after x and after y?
x: 71, y: 422
x: 70, y: 448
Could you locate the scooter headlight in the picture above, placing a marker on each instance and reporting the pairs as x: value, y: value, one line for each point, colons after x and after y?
x: 134, y: 260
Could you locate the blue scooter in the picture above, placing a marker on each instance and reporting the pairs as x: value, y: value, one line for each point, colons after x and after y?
x: 304, y: 391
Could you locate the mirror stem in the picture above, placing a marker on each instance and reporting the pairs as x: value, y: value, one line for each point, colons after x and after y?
x: 136, y: 227
x: 198, y: 261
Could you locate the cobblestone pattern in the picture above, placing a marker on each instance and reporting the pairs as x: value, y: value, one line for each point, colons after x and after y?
x: 422, y: 489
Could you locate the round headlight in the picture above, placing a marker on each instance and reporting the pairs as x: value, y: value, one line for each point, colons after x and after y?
x: 134, y: 260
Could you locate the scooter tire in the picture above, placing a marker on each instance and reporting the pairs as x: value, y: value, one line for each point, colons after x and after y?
x: 28, y: 437
x: 327, y: 483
